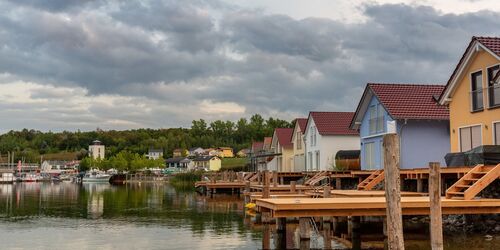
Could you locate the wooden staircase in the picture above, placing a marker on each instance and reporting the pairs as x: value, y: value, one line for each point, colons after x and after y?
x: 317, y: 178
x: 477, y: 179
x: 372, y: 180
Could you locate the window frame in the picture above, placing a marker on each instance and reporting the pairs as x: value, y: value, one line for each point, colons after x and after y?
x: 488, y: 80
x: 472, y: 91
x: 480, y: 125
x: 372, y: 155
x: 493, y: 126
x: 378, y: 120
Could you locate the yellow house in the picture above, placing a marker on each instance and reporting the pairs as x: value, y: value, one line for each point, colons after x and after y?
x: 473, y: 96
x: 282, y: 146
x: 226, y: 152
x: 299, y: 161
x: 210, y: 163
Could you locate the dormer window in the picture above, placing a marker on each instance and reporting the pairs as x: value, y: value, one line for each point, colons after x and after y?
x: 493, y: 86
x: 477, y: 91
x: 376, y: 119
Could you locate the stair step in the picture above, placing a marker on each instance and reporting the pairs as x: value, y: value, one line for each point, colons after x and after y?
x: 464, y: 186
x: 471, y: 179
x: 479, y: 172
x: 456, y: 193
x: 457, y: 198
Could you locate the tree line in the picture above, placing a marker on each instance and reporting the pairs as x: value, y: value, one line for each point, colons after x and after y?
x: 29, y: 145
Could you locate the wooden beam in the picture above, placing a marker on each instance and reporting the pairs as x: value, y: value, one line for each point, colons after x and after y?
x: 292, y: 186
x: 436, y: 223
x: 392, y: 192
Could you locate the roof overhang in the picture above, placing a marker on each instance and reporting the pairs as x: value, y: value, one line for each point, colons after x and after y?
x: 474, y: 47
x: 363, y: 104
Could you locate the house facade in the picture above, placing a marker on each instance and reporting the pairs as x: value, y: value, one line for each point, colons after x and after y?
x: 473, y: 96
x: 408, y: 110
x: 299, y: 159
x: 97, y: 150
x: 326, y: 133
x: 154, y: 154
x: 281, y: 144
x: 210, y: 163
x: 179, y: 152
x: 226, y: 152
x: 179, y: 162
x: 196, y: 151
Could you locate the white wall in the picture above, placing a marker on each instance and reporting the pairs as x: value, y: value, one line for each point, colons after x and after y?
x: 331, y: 144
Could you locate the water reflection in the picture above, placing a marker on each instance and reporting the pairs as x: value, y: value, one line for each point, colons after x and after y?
x: 144, y: 216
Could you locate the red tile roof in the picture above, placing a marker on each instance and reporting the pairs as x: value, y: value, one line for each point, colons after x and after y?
x: 302, y: 123
x: 284, y: 136
x: 492, y: 43
x: 333, y: 123
x: 411, y: 101
x: 257, y: 146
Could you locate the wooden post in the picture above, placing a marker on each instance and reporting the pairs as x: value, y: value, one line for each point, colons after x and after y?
x: 266, y: 237
x: 265, y: 188
x: 436, y: 223
x: 326, y: 192
x: 304, y: 228
x: 275, y: 178
x: 292, y: 186
x: 420, y: 185
x: 338, y: 183
x: 393, y: 192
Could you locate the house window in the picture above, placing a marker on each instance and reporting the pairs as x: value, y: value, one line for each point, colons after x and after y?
x: 317, y: 160
x: 299, y: 143
x: 470, y: 137
x: 313, y: 136
x: 477, y: 91
x: 493, y: 88
x: 496, y: 127
x: 370, y: 155
x: 310, y: 155
x: 376, y: 119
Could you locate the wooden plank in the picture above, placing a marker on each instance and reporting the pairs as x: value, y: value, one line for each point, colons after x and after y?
x: 392, y: 194
x: 436, y: 223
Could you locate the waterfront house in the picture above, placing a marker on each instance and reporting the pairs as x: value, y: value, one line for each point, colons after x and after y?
x: 179, y: 162
x: 257, y: 162
x: 267, y: 144
x: 411, y: 111
x: 326, y: 133
x: 196, y: 151
x: 299, y: 159
x: 226, y: 152
x: 281, y: 145
x: 154, y: 154
x: 209, y: 163
x: 97, y: 150
x: 472, y: 95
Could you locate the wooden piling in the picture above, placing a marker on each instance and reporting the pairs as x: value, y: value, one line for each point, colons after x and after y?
x: 293, y: 187
x: 420, y: 185
x: 327, y: 192
x: 436, y: 223
x: 265, y: 188
x: 304, y: 231
x: 393, y: 192
x: 275, y: 178
x: 338, y: 183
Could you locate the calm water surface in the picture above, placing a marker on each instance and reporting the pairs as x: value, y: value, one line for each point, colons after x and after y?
x: 102, y: 216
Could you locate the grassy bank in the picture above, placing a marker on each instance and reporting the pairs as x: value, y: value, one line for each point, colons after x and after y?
x: 234, y: 164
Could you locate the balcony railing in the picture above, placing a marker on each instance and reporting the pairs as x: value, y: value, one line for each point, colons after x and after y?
x: 494, y: 95
x: 477, y: 100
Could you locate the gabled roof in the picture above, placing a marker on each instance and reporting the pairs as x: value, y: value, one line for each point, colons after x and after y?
x: 403, y: 101
x: 302, y: 123
x: 177, y: 160
x: 204, y: 158
x: 489, y: 44
x: 257, y: 146
x: 284, y: 136
x: 333, y: 123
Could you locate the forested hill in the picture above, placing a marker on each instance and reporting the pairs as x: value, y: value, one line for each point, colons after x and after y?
x: 30, y: 144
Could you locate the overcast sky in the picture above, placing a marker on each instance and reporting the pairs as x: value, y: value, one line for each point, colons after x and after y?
x: 83, y: 64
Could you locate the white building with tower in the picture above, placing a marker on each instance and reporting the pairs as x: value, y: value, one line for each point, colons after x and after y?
x: 96, y: 150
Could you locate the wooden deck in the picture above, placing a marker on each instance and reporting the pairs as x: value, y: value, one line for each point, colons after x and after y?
x: 361, y: 193
x: 371, y: 206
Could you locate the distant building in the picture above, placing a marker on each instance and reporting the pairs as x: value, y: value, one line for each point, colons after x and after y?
x: 196, y: 151
x: 154, y: 154
x: 179, y: 152
x: 243, y: 153
x: 96, y: 150
x: 225, y: 152
x: 282, y: 146
x: 299, y: 159
x: 179, y: 162
x: 210, y: 163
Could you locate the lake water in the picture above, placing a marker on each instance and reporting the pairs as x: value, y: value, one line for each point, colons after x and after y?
x: 147, y: 216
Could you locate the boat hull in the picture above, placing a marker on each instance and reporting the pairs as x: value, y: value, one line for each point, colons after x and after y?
x: 96, y: 179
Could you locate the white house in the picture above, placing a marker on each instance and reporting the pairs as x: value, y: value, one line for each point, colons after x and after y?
x: 196, y: 151
x: 96, y: 150
x: 154, y: 154
x: 299, y: 159
x: 326, y: 133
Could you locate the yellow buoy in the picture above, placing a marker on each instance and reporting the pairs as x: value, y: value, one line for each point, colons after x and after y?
x: 250, y: 205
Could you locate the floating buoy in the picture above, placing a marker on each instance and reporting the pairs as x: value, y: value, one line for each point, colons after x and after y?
x: 250, y: 205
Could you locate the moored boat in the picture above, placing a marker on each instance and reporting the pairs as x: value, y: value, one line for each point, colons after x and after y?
x: 94, y: 176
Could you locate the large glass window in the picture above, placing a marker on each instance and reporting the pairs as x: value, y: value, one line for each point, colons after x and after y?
x: 317, y: 160
x: 493, y: 87
x: 298, y: 140
x: 477, y: 91
x: 376, y: 119
x: 470, y: 138
x: 370, y: 155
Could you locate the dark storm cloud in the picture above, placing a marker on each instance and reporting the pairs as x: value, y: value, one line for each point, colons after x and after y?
x: 54, y: 5
x: 189, y: 51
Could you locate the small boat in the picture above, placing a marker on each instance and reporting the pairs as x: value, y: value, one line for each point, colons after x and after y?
x: 29, y: 177
x: 95, y: 176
